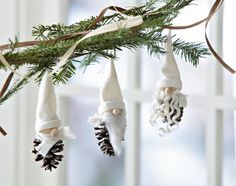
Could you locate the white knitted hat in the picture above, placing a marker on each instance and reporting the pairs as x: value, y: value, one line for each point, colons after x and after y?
x: 170, y: 76
x: 46, y: 116
x: 110, y: 92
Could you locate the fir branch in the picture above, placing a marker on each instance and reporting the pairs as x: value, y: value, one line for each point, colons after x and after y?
x: 16, y: 87
x: 56, y: 39
x: 191, y: 52
x: 66, y: 73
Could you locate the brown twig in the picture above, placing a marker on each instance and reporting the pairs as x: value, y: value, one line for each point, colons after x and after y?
x: 32, y: 43
x: 6, y: 84
x: 3, y: 132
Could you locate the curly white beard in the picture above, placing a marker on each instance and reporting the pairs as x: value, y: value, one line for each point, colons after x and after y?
x: 167, y: 110
x: 116, y: 126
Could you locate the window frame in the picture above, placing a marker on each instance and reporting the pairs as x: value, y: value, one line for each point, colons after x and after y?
x: 214, y: 101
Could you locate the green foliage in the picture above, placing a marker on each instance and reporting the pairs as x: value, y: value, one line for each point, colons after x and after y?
x: 59, y: 37
x: 16, y: 86
x: 191, y: 52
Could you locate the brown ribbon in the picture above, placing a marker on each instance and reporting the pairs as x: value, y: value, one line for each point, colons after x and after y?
x: 3, y: 132
x: 102, y: 13
x: 213, y: 10
x: 31, y: 43
x: 68, y: 36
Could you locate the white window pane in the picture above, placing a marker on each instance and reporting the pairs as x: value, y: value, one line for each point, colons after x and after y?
x: 86, y: 164
x: 178, y: 158
x: 79, y: 10
x: 229, y: 161
x: 229, y: 171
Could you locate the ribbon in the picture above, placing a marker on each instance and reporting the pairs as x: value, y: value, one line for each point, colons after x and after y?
x: 7, y: 65
x: 64, y: 133
x: 216, y: 6
x: 130, y: 22
x: 9, y: 78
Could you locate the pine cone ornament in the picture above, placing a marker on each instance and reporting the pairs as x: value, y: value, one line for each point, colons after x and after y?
x: 169, y: 102
x: 49, y: 132
x: 52, y: 158
x: 110, y: 122
x: 102, y: 136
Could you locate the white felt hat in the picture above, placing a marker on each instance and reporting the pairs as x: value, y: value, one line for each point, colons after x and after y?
x: 110, y: 92
x: 170, y: 76
x: 46, y: 116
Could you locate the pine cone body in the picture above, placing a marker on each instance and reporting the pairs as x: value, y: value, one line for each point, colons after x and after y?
x: 52, y: 159
x: 102, y: 136
x: 173, y: 114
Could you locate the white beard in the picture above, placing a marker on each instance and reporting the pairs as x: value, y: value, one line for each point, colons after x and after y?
x: 167, y: 110
x: 116, y: 126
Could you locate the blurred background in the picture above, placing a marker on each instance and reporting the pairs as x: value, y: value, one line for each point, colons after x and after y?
x: 200, y: 153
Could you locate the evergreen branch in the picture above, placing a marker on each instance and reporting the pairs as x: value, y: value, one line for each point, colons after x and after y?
x: 56, y: 39
x: 16, y: 87
x: 191, y: 52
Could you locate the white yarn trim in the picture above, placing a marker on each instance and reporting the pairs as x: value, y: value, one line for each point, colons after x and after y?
x: 166, y: 107
x: 42, y: 125
x: 64, y: 133
x: 170, y: 82
x: 109, y: 105
x: 116, y: 126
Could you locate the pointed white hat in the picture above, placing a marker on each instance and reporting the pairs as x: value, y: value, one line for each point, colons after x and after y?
x: 46, y: 116
x: 170, y: 76
x: 110, y: 92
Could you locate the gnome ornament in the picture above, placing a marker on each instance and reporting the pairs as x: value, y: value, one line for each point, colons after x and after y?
x: 169, y: 102
x: 48, y: 143
x: 110, y: 122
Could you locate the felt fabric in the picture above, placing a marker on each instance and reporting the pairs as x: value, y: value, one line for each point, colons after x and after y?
x: 116, y: 126
x: 109, y: 105
x: 48, y: 140
x: 111, y: 98
x: 170, y: 76
x: 167, y: 107
x: 46, y: 112
x: 46, y: 117
x: 110, y: 89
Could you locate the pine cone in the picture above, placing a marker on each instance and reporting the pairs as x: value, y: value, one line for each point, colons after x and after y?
x: 51, y: 160
x: 178, y: 119
x: 102, y: 136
